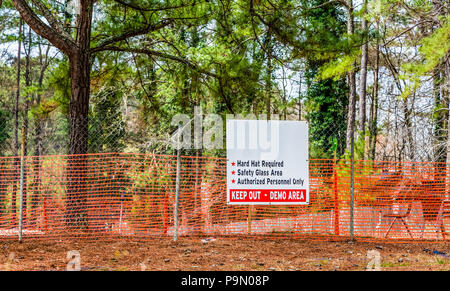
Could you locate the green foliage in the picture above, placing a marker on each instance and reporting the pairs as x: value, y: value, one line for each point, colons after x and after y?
x: 59, y: 81
x: 326, y: 100
x: 4, y: 129
x: 433, y: 51
x: 215, y: 54
x: 337, y: 68
x: 106, y: 127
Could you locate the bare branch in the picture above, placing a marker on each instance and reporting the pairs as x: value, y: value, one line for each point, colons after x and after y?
x: 42, y: 29
x: 53, y: 21
x: 163, y: 55
x: 153, y: 9
x: 131, y: 33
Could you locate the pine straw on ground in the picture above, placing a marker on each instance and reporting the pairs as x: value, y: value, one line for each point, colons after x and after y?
x: 222, y: 254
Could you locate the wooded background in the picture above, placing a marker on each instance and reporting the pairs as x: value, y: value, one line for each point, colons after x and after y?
x: 90, y: 76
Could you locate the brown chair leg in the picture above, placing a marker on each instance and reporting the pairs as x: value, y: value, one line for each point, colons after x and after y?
x: 440, y: 227
x: 422, y: 232
x: 440, y: 223
x: 407, y: 228
x: 390, y: 227
x: 443, y: 230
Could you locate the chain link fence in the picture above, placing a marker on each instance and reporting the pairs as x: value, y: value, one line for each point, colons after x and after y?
x: 119, y: 127
x: 144, y: 196
x: 111, y: 128
x: 131, y: 168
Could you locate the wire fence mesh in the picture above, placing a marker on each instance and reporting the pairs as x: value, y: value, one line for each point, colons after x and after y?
x: 121, y: 125
x: 129, y: 184
x: 133, y: 196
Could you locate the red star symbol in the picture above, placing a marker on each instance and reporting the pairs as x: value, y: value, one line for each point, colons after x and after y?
x: 232, y: 181
x: 233, y: 172
x: 233, y: 164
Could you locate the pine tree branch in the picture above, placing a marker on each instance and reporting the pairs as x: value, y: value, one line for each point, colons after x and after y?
x: 51, y: 34
x: 163, y: 55
x: 135, y: 6
x: 53, y: 21
x: 103, y: 44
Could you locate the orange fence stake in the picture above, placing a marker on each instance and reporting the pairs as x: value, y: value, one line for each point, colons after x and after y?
x: 45, y: 214
x: 336, y: 204
x: 166, y: 213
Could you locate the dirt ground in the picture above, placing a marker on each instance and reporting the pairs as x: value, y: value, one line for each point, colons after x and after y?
x: 222, y: 254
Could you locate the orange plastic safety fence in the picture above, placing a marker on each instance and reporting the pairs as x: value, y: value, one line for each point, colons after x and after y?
x: 119, y: 196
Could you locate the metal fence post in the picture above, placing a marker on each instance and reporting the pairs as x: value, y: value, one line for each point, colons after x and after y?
x: 177, y: 195
x: 352, y: 186
x: 22, y: 166
x: 177, y: 183
x: 336, y: 198
x: 121, y: 212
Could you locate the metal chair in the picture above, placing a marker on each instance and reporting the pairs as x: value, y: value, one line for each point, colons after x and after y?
x: 401, y: 217
x: 444, y: 212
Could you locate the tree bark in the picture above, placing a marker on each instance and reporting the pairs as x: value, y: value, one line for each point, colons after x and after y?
x: 374, y: 105
x: 76, y: 214
x: 78, y: 53
x: 269, y: 69
x: 38, y: 149
x: 28, y: 83
x: 80, y: 68
x: 300, y: 97
x: 439, y: 118
x: 363, y: 78
x: 50, y: 32
x: 351, y: 76
x: 16, y: 127
x: 79, y: 103
x: 408, y: 124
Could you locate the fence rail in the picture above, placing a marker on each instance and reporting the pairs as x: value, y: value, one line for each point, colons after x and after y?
x: 133, y: 196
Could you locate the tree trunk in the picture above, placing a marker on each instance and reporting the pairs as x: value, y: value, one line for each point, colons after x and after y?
x: 374, y: 106
x: 284, y: 97
x: 408, y: 124
x: 80, y: 68
x: 38, y: 150
x: 363, y: 79
x: 16, y: 127
x: 28, y: 83
x: 36, y: 162
x: 352, y: 83
x: 439, y: 118
x: 269, y: 69
x: 76, y: 212
x: 300, y: 98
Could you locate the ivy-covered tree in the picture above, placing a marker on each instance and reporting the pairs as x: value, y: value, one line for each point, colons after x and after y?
x: 326, y: 105
x: 326, y: 99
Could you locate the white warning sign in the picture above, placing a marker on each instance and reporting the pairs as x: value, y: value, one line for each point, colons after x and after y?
x: 267, y: 162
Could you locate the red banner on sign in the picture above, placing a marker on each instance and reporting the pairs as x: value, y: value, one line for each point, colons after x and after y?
x: 264, y: 195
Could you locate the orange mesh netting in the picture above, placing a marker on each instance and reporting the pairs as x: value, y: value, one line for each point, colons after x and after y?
x: 112, y: 196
